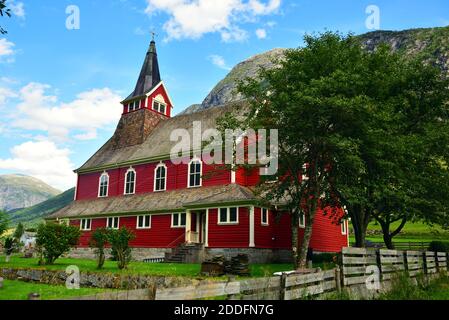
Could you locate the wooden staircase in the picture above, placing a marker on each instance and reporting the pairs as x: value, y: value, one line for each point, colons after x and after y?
x: 185, y: 253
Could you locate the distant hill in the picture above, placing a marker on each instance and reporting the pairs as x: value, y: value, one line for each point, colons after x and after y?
x: 19, y: 191
x: 31, y: 216
x: 431, y: 44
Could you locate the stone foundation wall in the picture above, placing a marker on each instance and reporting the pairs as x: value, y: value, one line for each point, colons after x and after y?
x: 138, y: 254
x: 255, y: 255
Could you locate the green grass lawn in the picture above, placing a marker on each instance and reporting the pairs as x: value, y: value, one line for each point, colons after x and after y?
x: 155, y: 269
x: 19, y: 290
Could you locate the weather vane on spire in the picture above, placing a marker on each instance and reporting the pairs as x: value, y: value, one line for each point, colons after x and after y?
x: 153, y: 35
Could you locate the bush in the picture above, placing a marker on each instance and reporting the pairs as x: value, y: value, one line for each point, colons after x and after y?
x: 9, y: 246
x: 439, y: 246
x: 98, y: 241
x: 56, y: 239
x: 119, y: 240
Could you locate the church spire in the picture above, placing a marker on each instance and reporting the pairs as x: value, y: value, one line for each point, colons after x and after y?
x: 149, y: 75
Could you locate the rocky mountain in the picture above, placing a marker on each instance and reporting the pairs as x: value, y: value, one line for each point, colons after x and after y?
x: 33, y: 215
x: 431, y: 44
x: 19, y: 191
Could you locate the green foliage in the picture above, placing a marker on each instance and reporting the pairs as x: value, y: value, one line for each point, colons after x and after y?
x: 4, y: 11
x: 98, y: 241
x: 9, y: 246
x: 119, y: 240
x: 3, y: 222
x: 55, y: 240
x: 439, y: 246
x: 18, y: 233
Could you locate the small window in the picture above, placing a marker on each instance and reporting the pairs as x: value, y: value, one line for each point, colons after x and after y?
x: 264, y: 218
x: 195, y: 174
x: 104, y: 185
x: 228, y: 216
x: 113, y: 223
x: 178, y: 220
x: 144, y: 222
x: 344, y: 229
x: 160, y: 177
x: 302, y: 221
x: 159, y: 107
x: 130, y: 182
x: 86, y: 224
x: 133, y: 106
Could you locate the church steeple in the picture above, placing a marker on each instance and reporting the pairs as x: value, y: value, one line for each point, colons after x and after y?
x: 149, y: 75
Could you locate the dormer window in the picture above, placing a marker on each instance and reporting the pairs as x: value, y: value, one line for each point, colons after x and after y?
x: 103, y: 186
x: 195, y: 168
x: 133, y: 106
x: 159, y: 107
x: 130, y: 181
x: 160, y: 177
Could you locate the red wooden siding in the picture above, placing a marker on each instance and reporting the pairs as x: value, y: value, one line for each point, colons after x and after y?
x: 88, y: 184
x: 263, y: 235
x: 229, y: 236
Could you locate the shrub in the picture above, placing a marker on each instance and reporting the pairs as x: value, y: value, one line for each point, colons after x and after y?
x: 98, y: 241
x: 9, y: 246
x: 3, y: 222
x: 56, y: 239
x: 439, y: 246
x: 119, y: 240
x: 18, y: 233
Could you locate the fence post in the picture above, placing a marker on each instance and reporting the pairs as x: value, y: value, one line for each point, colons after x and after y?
x: 379, y: 263
x: 283, y: 287
x: 425, y: 263
x: 338, y: 278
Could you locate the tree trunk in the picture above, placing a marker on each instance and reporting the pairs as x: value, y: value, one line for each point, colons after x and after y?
x: 294, y: 230
x: 360, y: 220
x: 309, y: 218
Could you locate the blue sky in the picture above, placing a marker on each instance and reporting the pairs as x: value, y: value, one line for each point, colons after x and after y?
x: 60, y: 89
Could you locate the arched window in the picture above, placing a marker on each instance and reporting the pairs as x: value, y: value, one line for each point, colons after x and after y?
x: 160, y: 177
x: 130, y: 181
x: 195, y: 168
x: 103, y: 185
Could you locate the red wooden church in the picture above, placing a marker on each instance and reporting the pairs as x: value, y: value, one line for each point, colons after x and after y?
x: 131, y: 182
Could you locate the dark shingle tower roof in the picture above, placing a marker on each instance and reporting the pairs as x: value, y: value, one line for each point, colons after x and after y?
x: 149, y: 76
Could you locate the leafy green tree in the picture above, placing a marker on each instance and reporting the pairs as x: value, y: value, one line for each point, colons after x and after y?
x: 4, y: 11
x: 119, y: 240
x: 4, y: 222
x: 98, y: 241
x: 56, y: 239
x: 9, y: 247
x: 18, y: 233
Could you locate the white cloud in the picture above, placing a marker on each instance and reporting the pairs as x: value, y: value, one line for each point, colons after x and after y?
x: 42, y: 160
x: 6, y: 94
x: 6, y: 51
x: 90, y: 111
x: 194, y: 18
x: 261, y: 33
x: 219, y: 61
x: 17, y: 8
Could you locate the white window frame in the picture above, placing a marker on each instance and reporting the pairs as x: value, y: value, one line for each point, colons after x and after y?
x: 104, y: 174
x: 228, y: 216
x: 189, y: 173
x: 83, y: 224
x: 344, y: 229
x: 161, y: 165
x: 113, y: 220
x: 126, y: 180
x: 133, y: 103
x: 158, y: 109
x: 262, y: 210
x: 144, y: 226
x: 179, y: 220
x: 302, y: 221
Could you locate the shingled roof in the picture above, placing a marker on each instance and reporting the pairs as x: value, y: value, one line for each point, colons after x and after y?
x: 176, y: 200
x: 157, y: 143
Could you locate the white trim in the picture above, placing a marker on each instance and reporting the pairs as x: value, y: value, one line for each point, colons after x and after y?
x: 113, y: 220
x: 90, y: 224
x: 303, y: 224
x: 344, y: 227
x: 160, y: 165
x: 131, y: 169
x: 252, y: 243
x: 64, y: 221
x: 206, y: 230
x: 144, y: 227
x: 179, y: 226
x: 233, y: 175
x: 265, y: 224
x: 160, y: 103
x: 201, y: 173
x: 99, y: 185
x: 228, y: 216
x: 188, y: 226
